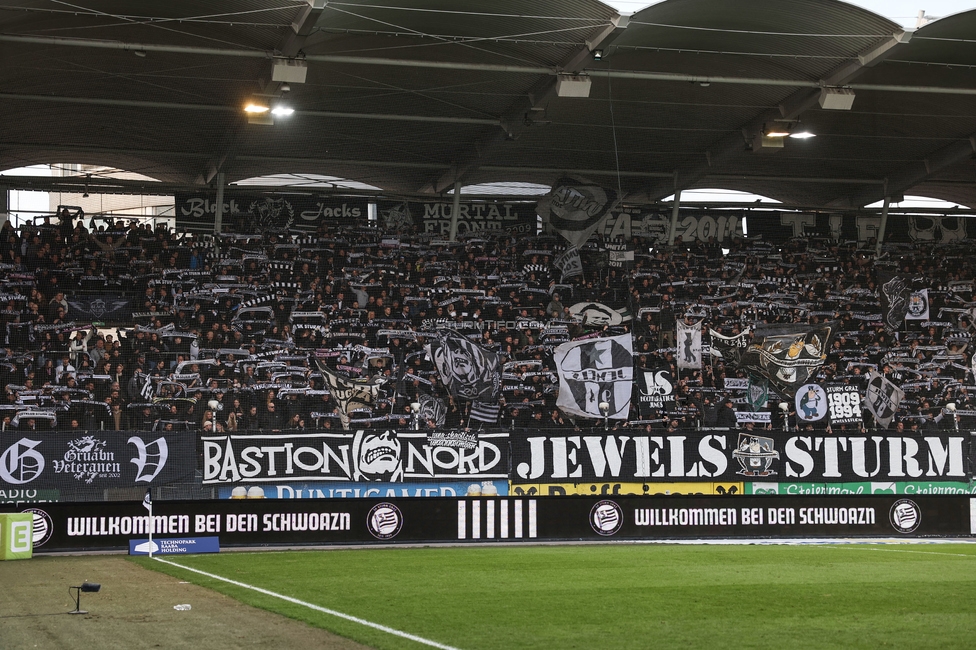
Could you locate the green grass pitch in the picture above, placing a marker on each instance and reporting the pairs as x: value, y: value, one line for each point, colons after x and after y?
x: 621, y: 596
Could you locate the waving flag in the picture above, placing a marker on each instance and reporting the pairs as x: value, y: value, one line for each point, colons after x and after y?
x: 787, y: 355
x: 689, y: 345
x: 468, y: 370
x: 576, y: 208
x: 595, y: 371
x: 882, y: 398
x: 350, y: 393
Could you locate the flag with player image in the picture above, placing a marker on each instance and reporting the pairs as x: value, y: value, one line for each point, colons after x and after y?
x: 689, y: 344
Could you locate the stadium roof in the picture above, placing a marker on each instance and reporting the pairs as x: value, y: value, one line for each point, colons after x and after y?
x: 415, y: 97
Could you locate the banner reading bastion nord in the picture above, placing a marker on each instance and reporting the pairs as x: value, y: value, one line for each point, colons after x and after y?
x: 363, y: 457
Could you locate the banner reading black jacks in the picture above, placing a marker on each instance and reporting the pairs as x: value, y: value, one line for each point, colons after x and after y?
x: 84, y: 526
x: 552, y: 456
x: 103, y: 459
x: 386, y: 456
x: 245, y: 212
x: 434, y: 217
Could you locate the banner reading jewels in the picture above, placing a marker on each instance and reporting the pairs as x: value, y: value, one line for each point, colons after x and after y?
x: 554, y: 457
x: 248, y: 213
x: 104, y: 459
x: 360, y: 456
x: 82, y: 526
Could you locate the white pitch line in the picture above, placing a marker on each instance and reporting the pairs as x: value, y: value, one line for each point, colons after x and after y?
x: 895, y: 550
x: 318, y: 608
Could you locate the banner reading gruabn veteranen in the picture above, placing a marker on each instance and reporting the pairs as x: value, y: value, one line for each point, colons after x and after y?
x: 552, y: 456
x: 358, y: 456
x: 102, y: 459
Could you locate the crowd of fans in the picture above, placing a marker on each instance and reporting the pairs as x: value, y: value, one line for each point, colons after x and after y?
x: 232, y: 332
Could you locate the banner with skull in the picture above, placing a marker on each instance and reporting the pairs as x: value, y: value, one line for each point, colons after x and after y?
x: 594, y: 371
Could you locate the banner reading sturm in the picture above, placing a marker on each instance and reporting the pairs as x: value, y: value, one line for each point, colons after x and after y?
x: 552, y: 456
x: 383, y: 456
x: 102, y: 459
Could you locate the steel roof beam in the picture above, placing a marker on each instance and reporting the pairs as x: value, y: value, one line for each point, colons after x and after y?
x: 736, y: 142
x: 913, y: 174
x: 519, y: 115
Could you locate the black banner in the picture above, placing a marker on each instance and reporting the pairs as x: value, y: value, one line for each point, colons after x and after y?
x: 108, y: 307
x: 250, y: 213
x: 655, y: 391
x: 64, y: 527
x: 654, y: 225
x: 557, y: 457
x: 434, y: 217
x: 778, y: 227
x: 101, y: 459
x: 383, y: 456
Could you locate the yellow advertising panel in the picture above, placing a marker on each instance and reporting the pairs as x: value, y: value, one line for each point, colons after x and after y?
x: 605, y: 489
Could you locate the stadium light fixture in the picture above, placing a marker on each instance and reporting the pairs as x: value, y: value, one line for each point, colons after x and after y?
x: 777, y: 129
x: 597, y: 55
x: 282, y: 111
x: 256, y: 107
x: 87, y: 587
x: 803, y: 135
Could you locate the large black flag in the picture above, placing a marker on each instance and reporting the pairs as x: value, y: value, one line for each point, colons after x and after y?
x: 896, y: 293
x: 468, y: 370
x: 788, y: 355
x: 576, y: 208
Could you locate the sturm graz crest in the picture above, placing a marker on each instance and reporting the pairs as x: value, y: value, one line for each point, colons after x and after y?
x: 384, y: 521
x: 905, y: 515
x: 606, y: 518
x: 43, y: 526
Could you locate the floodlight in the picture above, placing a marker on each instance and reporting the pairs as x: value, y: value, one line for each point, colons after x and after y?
x: 803, y: 135
x: 282, y: 111
x: 597, y: 55
x: 776, y: 129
